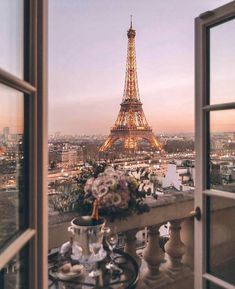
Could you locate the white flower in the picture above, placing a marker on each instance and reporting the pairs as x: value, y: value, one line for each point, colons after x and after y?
x: 114, y: 176
x: 116, y: 199
x: 90, y: 181
x: 101, y: 175
x: 110, y: 182
x: 102, y: 180
x: 102, y: 191
x: 95, y: 191
x: 88, y: 185
x: 107, y: 200
x: 87, y: 188
x: 96, y: 183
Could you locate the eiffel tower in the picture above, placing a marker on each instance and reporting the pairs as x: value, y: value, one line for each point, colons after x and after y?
x: 131, y: 125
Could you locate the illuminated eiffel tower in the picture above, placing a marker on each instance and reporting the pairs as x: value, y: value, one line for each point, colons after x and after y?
x: 131, y: 125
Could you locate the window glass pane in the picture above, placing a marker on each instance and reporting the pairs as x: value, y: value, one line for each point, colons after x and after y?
x: 13, y: 200
x: 14, y: 275
x: 210, y: 285
x: 11, y: 35
x: 222, y: 152
x: 222, y: 63
x: 221, y: 239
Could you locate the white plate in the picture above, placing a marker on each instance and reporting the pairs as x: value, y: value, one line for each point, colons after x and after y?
x: 78, y: 256
x: 91, y: 258
x: 70, y: 275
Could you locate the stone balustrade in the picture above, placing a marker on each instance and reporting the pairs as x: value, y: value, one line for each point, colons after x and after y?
x: 174, y: 206
x: 158, y: 269
x: 173, y: 268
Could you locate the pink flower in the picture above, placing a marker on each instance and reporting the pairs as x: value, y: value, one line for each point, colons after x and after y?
x: 103, y: 190
x: 107, y: 200
x: 123, y: 183
x: 110, y: 182
x: 116, y: 199
x: 88, y: 185
x: 125, y: 196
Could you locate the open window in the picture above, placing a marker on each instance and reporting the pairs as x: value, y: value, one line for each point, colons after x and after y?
x: 215, y: 123
x: 23, y: 149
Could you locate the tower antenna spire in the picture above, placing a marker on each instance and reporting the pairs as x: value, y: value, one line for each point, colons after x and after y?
x: 131, y: 21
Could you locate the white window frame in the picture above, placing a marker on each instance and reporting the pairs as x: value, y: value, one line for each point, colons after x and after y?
x: 35, y: 86
x: 202, y: 109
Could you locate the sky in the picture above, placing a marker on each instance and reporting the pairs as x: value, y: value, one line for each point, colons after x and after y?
x: 11, y: 60
x: 87, y: 61
x: 11, y: 109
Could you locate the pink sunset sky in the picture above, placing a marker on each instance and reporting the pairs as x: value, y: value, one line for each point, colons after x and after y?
x: 87, y: 59
x: 87, y: 62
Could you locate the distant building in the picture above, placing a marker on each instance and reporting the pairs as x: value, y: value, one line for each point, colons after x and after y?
x: 63, y: 156
x: 6, y: 132
x: 222, y: 172
x: 52, y: 156
x: 181, y: 177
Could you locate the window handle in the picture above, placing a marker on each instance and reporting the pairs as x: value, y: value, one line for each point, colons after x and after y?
x: 196, y: 213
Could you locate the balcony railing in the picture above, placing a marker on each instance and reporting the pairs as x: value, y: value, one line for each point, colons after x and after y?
x: 158, y: 269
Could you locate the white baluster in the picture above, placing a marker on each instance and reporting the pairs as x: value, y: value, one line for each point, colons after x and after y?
x: 175, y: 250
x: 187, y: 237
x: 130, y: 244
x: 154, y: 256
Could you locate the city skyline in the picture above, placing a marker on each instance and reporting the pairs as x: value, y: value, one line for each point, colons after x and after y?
x: 87, y: 68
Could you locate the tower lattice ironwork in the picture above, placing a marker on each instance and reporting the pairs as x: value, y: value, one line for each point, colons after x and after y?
x: 131, y: 125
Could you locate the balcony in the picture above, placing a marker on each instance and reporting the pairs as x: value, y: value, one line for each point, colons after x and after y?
x: 174, y: 267
x: 156, y: 267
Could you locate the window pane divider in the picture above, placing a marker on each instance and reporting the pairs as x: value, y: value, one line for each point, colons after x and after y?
x: 218, y: 281
x: 218, y: 193
x: 221, y: 106
x: 15, y: 246
x: 15, y: 82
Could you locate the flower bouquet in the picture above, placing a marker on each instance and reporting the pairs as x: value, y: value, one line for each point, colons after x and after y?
x: 118, y: 193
